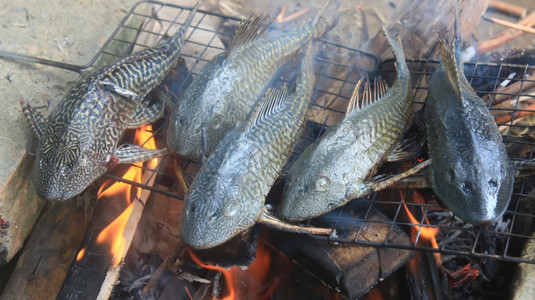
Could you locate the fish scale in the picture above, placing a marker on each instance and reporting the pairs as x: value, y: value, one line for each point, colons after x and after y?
x: 230, y: 84
x: 471, y: 172
x: 338, y: 167
x: 228, y: 194
x: 78, y: 140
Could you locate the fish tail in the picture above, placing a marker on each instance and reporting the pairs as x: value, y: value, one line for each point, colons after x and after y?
x: 177, y: 40
x: 452, y: 55
x: 326, y: 18
x: 396, y: 47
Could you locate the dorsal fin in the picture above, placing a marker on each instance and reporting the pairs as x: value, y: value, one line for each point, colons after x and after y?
x: 249, y: 29
x: 365, y: 96
x: 451, y: 55
x: 271, y: 103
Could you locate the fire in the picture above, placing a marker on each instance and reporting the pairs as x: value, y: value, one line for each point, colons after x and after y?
x: 80, y: 254
x: 246, y: 284
x: 112, y: 235
x: 463, y: 276
x: 427, y: 233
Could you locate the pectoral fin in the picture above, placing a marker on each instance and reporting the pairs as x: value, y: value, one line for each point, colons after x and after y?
x: 127, y: 153
x: 405, y: 149
x: 33, y: 117
x: 145, y: 114
x: 120, y: 91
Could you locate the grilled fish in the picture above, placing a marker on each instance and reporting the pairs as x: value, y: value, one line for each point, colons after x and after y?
x: 78, y: 140
x: 227, y: 196
x: 229, y: 85
x: 339, y: 166
x: 471, y: 172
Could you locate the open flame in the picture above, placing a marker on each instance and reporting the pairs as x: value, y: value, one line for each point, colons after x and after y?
x: 462, y: 276
x: 112, y: 235
x: 426, y: 233
x: 252, y: 283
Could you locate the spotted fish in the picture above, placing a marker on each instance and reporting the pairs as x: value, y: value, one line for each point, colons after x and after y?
x: 340, y: 165
x: 78, y: 140
x: 471, y: 172
x: 229, y: 85
x: 227, y: 196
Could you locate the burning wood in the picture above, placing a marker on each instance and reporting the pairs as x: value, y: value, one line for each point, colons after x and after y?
x: 97, y: 265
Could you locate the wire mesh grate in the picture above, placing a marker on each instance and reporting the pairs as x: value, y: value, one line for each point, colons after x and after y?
x: 148, y: 22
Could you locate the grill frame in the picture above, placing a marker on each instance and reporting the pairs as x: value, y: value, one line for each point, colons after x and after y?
x: 326, y: 99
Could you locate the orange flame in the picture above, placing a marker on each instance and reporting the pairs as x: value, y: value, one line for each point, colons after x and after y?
x: 427, y: 233
x: 80, y: 254
x: 245, y: 284
x: 112, y: 235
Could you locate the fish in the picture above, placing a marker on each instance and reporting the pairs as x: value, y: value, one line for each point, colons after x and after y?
x: 340, y: 165
x: 471, y: 172
x: 233, y: 81
x: 227, y: 196
x: 78, y: 140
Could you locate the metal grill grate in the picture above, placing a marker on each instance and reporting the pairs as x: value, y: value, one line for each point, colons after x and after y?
x: 143, y: 27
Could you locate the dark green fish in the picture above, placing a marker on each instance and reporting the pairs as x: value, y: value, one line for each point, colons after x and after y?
x: 229, y: 85
x: 78, y: 140
x: 471, y: 172
x: 227, y: 196
x: 340, y: 165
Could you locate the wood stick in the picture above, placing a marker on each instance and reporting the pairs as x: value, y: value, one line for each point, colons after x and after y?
x: 509, y: 24
x: 505, y: 36
x: 48, y: 252
x: 93, y: 275
x: 508, y: 8
x: 273, y: 222
x: 131, y: 226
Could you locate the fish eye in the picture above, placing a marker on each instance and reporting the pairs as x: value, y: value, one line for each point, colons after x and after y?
x: 217, y: 121
x: 467, y: 187
x: 231, y: 209
x: 302, y: 191
x: 212, y: 217
x: 493, y: 183
x: 192, y: 208
x: 450, y: 176
x: 178, y: 122
x: 321, y: 184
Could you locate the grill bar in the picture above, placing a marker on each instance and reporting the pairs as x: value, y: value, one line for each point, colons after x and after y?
x: 332, y: 92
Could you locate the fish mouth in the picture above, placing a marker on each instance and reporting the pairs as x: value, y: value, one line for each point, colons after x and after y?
x: 197, y: 240
x: 52, y: 195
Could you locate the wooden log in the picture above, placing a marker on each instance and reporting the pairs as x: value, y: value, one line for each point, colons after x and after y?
x: 97, y: 266
x: 351, y: 269
x: 423, y: 277
x: 48, y: 253
x: 19, y: 209
x: 523, y: 286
